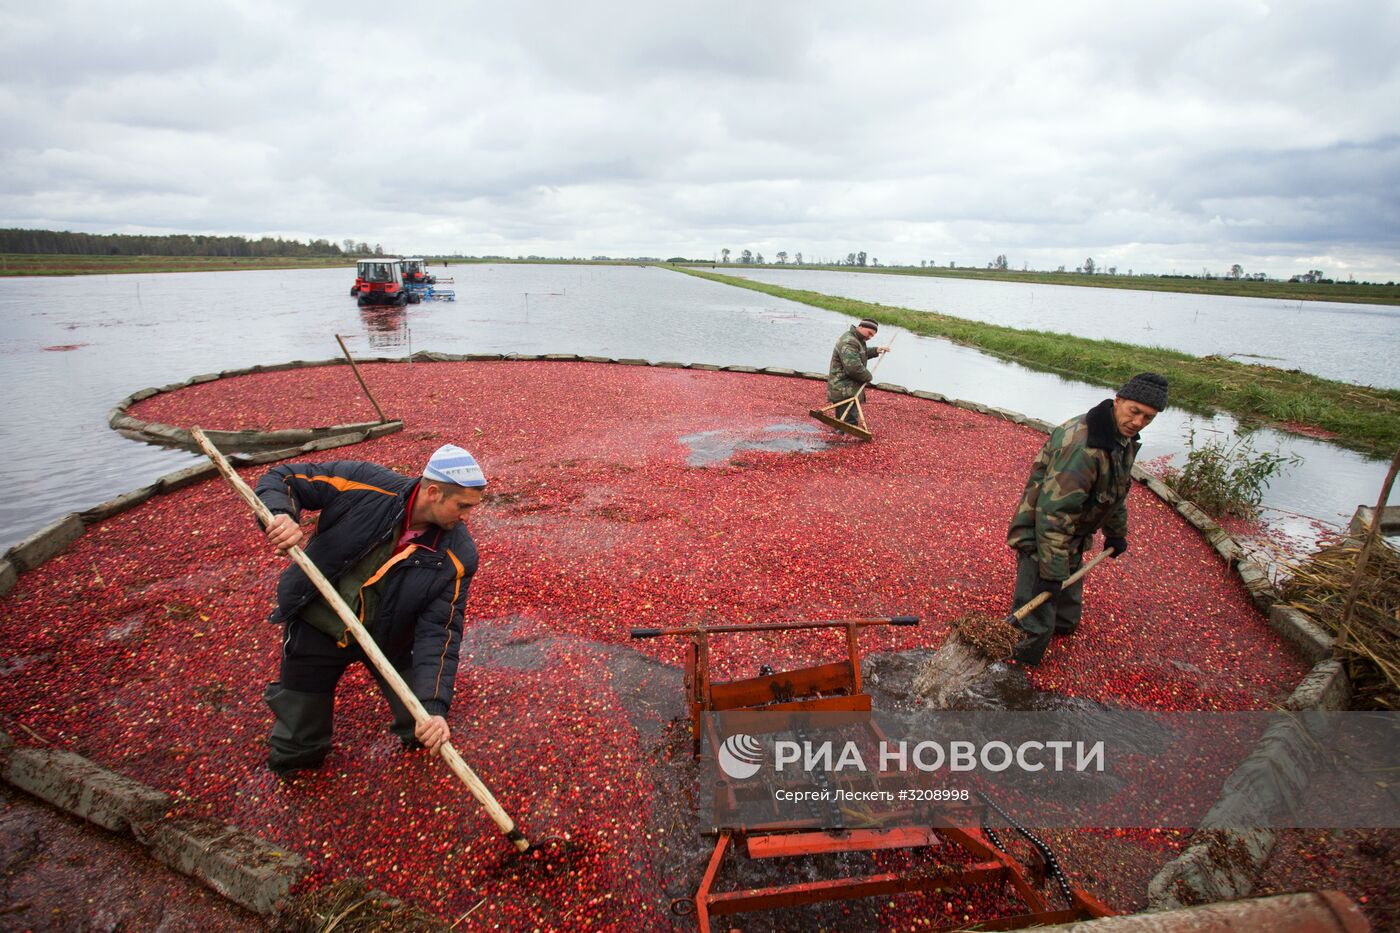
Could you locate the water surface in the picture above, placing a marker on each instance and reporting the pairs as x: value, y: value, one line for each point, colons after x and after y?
x: 131, y: 331
x: 1355, y: 343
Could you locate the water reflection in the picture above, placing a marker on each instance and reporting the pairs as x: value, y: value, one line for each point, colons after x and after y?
x: 385, y: 326
x: 135, y: 331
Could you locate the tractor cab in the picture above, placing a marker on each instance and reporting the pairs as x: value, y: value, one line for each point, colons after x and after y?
x: 415, y: 272
x: 379, y: 281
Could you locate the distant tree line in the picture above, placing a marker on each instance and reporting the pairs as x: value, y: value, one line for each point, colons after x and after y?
x: 14, y: 240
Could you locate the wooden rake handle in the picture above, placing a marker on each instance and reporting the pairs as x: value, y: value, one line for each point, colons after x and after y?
x: 376, y: 657
x: 873, y: 370
x: 1072, y: 579
x: 356, y: 370
x: 861, y: 390
x: 881, y: 358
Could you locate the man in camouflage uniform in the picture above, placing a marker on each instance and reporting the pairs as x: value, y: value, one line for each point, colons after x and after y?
x: 1078, y: 484
x: 848, y: 373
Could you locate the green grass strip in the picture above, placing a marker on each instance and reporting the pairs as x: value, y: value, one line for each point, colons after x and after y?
x: 1353, y: 292
x: 1360, y: 417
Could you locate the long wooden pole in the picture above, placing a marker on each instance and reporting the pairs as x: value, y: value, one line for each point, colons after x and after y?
x: 371, y: 650
x: 356, y: 370
x: 882, y: 356
x: 1344, y: 627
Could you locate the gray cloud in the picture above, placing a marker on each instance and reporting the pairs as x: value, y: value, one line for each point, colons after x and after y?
x: 1150, y: 136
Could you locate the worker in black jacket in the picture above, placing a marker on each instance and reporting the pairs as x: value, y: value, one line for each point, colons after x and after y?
x: 397, y: 550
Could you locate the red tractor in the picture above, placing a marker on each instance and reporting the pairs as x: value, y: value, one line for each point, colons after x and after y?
x: 379, y: 282
x: 415, y: 272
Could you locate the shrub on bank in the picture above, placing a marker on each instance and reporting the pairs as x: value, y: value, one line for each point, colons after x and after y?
x: 1226, y: 477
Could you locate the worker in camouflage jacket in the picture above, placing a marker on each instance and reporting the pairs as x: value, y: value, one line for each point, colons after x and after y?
x: 1078, y: 484
x: 848, y: 372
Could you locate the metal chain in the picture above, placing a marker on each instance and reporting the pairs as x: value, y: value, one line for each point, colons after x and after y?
x: 830, y: 814
x: 1052, y: 864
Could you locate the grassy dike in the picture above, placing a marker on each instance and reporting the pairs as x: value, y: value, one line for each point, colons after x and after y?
x: 1358, y: 417
x: 1354, y: 292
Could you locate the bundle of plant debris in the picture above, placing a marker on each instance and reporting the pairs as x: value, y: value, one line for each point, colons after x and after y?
x: 352, y: 906
x: 1371, y: 646
x: 992, y: 635
x: 975, y: 642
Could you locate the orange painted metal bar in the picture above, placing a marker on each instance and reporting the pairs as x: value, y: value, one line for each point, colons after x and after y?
x: 975, y: 842
x: 840, y: 889
x: 772, y: 626
x: 702, y: 894
x: 860, y: 703
x: 826, y: 678
x: 1088, y: 905
x: 856, y: 840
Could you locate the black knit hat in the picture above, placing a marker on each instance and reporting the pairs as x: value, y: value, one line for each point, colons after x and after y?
x: 869, y: 323
x: 1148, y: 388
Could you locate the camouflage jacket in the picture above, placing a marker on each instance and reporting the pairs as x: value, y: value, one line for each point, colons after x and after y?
x: 847, y: 372
x: 1079, y: 484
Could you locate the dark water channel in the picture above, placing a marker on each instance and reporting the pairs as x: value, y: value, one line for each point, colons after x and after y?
x: 121, y: 333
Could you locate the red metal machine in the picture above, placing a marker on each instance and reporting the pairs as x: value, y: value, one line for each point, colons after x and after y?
x: 379, y: 281
x: 953, y: 849
x: 415, y: 272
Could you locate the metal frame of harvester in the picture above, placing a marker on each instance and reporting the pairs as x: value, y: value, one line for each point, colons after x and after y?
x: 421, y: 284
x: 835, y: 687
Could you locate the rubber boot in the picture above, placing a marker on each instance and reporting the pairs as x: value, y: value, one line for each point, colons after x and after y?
x: 301, y: 732
x: 1030, y: 650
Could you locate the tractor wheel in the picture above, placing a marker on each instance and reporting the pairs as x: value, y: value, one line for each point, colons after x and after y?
x: 361, y: 301
x: 354, y: 290
x: 414, y: 298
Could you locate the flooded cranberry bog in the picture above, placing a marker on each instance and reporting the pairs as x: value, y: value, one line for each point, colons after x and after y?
x: 619, y: 496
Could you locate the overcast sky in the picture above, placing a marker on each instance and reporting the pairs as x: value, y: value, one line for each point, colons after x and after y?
x: 1155, y: 136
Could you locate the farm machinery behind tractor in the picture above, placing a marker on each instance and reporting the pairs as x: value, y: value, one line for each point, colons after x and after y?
x: 417, y: 293
x: 422, y: 285
x: 415, y: 272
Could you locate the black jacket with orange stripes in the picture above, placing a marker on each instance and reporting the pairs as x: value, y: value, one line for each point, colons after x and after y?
x: 424, y: 592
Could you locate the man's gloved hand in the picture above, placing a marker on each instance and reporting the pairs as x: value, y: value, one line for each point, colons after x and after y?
x: 1119, y: 545
x: 1052, y: 587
